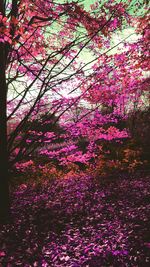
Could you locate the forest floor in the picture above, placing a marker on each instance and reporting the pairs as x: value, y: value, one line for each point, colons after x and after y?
x: 79, y: 222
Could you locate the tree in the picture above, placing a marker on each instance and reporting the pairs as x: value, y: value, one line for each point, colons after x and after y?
x: 41, y: 43
x: 30, y: 60
x: 111, y: 92
x: 4, y: 191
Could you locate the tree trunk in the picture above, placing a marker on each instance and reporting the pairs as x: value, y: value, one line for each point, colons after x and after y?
x: 4, y: 186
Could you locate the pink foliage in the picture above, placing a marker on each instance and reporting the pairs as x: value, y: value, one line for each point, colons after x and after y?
x: 105, y: 95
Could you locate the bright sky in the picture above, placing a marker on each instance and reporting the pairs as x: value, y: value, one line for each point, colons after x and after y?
x: 136, y: 7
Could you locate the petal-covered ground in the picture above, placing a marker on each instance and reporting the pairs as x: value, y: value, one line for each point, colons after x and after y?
x: 79, y: 222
